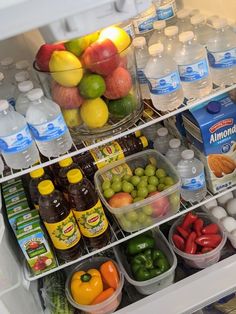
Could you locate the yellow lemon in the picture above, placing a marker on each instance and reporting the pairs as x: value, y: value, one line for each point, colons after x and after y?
x: 117, y: 35
x: 94, y: 113
x: 65, y: 68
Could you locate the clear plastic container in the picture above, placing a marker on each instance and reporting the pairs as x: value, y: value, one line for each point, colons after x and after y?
x: 152, y: 206
x: 199, y: 260
x: 157, y: 283
x: 106, y: 307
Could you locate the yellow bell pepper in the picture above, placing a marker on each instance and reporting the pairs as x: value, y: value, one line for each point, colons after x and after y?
x: 86, y: 286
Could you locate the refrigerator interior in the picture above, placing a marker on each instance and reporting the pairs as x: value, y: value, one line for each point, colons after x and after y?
x: 186, y: 296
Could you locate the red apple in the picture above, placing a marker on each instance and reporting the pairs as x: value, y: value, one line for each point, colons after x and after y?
x: 66, y: 97
x: 44, y: 54
x: 118, y: 84
x: 101, y: 57
x: 120, y: 199
x: 160, y: 206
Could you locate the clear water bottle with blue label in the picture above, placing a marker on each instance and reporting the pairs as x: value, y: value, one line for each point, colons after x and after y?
x: 191, y: 171
x: 174, y: 151
x: 193, y: 67
x: 166, y: 10
x: 22, y: 101
x: 143, y: 23
x: 158, y: 35
x: 183, y: 21
x: 8, y: 68
x: 7, y: 90
x: 201, y: 31
x: 141, y: 54
x: 47, y: 125
x: 221, y: 48
x: 163, y: 79
x: 16, y: 144
x: 161, y: 143
x: 172, y: 40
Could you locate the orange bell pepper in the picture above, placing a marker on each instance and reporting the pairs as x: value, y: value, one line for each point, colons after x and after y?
x: 103, y: 296
x: 110, y: 275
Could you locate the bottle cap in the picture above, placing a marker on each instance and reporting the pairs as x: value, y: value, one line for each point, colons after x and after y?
x: 198, y: 19
x: 186, y: 36
x: 155, y: 49
x: 1, y: 76
x: 139, y: 42
x: 35, y: 94
x: 22, y: 76
x: 65, y: 162
x: 37, y: 173
x: 171, y: 31
x: 182, y: 14
x: 22, y: 65
x: 159, y: 24
x: 187, y: 154
x: 219, y: 23
x: 213, y: 107
x: 25, y: 86
x: 174, y: 143
x: 194, y: 12
x: 74, y: 176
x: 46, y: 187
x: 7, y: 61
x: 137, y: 133
x: 3, y: 104
x: 162, y: 132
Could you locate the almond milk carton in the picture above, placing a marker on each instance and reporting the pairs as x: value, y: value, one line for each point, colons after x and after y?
x: 211, y: 130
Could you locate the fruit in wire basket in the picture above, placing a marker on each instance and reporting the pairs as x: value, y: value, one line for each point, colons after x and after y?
x: 44, y: 54
x: 94, y: 113
x: 118, y: 84
x: 66, y: 97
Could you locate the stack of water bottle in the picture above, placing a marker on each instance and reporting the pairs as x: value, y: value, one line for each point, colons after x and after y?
x: 191, y: 170
x: 28, y: 118
x: 183, y: 60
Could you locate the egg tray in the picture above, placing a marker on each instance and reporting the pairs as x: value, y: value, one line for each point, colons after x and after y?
x: 229, y: 235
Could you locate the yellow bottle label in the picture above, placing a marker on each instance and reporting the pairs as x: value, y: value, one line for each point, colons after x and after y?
x: 92, y: 222
x: 64, y: 234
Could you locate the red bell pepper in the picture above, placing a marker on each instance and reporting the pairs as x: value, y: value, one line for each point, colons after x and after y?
x: 191, y: 246
x: 206, y: 249
x: 188, y: 220
x: 184, y: 233
x: 198, y: 225
x: 178, y: 242
x: 209, y: 240
x: 211, y: 229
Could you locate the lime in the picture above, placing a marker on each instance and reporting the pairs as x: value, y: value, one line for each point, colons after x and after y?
x: 116, y: 186
x: 139, y: 171
x: 92, y: 86
x: 143, y: 192
x: 94, y: 113
x: 151, y: 188
x: 153, y: 180
x: 135, y: 180
x: 120, y: 108
x: 106, y: 185
x: 77, y: 45
x: 108, y: 193
x: 160, y: 173
x: 127, y: 187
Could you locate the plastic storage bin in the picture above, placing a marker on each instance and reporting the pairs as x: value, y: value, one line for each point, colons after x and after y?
x: 199, y: 260
x: 169, y: 198
x: 106, y: 307
x: 157, y: 283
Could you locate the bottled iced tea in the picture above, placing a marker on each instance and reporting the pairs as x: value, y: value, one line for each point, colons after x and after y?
x: 88, y: 210
x: 59, y: 222
x: 37, y: 176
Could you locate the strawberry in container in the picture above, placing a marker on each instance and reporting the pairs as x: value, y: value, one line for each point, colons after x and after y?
x: 197, y: 240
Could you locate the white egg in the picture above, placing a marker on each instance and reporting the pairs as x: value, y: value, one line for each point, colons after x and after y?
x: 231, y: 207
x: 222, y: 200
x: 211, y: 204
x: 219, y: 212
x: 229, y: 223
x: 233, y: 233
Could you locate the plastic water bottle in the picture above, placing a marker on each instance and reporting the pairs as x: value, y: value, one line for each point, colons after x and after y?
x: 24, y: 65
x: 184, y: 20
x: 16, y: 144
x: 191, y: 171
x: 166, y: 10
x: 201, y: 31
x: 172, y: 41
x: 143, y: 23
x: 161, y: 143
x: 193, y: 67
x: 8, y: 68
x: 47, y: 125
x: 221, y: 48
x: 164, y: 82
x: 141, y: 54
x: 174, y: 152
x: 21, y: 76
x: 22, y: 101
x: 128, y: 27
x: 7, y: 90
x: 150, y: 132
x: 158, y: 33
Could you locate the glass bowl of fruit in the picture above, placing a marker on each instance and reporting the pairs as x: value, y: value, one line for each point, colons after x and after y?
x: 139, y: 190
x: 93, y: 79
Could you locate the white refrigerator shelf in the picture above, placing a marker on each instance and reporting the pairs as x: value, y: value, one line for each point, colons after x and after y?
x: 141, y: 124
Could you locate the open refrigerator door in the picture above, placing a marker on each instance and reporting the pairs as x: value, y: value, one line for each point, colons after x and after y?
x: 97, y: 177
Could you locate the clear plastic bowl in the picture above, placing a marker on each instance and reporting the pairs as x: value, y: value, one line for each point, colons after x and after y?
x: 168, y: 200
x: 157, y: 283
x: 199, y: 260
x: 109, y: 305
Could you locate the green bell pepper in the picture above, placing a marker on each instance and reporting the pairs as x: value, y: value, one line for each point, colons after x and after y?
x: 149, y: 264
x: 140, y: 243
